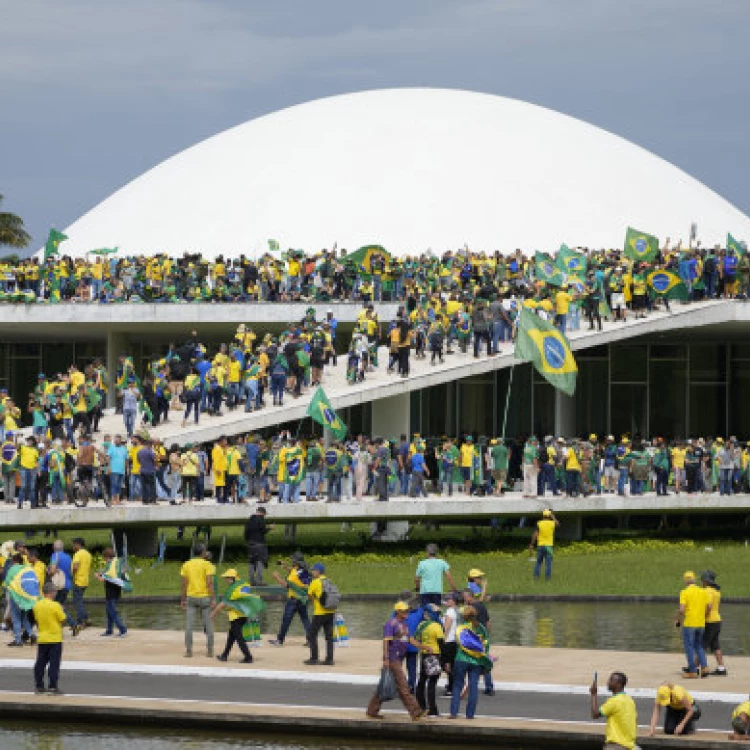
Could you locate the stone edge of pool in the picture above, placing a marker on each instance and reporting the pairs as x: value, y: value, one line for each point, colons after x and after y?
x: 345, y: 723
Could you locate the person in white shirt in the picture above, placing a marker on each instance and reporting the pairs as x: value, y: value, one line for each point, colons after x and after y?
x: 450, y: 620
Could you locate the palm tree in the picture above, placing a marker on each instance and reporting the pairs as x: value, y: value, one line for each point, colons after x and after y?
x: 12, y: 230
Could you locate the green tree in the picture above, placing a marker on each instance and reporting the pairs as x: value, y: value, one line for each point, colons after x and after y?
x: 12, y: 230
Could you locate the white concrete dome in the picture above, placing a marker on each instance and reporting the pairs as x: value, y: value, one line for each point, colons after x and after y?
x: 409, y: 169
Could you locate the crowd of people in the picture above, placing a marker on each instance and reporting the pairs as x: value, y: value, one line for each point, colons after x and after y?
x: 48, y: 472
x: 337, y: 275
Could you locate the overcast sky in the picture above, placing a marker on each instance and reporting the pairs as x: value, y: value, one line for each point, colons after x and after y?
x: 95, y: 92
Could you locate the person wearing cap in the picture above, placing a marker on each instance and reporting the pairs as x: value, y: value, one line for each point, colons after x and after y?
x: 237, y: 621
x: 322, y: 618
x: 81, y: 572
x: 395, y: 640
x: 499, y: 457
x: 198, y: 597
x: 694, y: 605
x: 620, y: 712
x: 681, y: 710
x: 741, y: 723
x: 610, y: 464
x: 297, y: 583
x: 478, y: 584
x: 467, y: 462
x: 713, y: 621
x: 428, y: 578
x: 429, y: 633
x: 544, y: 540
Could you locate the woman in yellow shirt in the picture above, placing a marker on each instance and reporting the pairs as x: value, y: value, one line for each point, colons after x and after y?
x: 430, y: 634
x: 28, y: 461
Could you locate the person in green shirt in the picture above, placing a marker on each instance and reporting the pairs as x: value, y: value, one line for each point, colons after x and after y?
x: 499, y: 458
x: 661, y: 467
x: 472, y: 658
x: 314, y: 463
x: 333, y: 461
x: 449, y: 458
x: 530, y: 467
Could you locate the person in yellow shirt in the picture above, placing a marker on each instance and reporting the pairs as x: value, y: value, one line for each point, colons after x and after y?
x: 692, y: 616
x: 220, y: 466
x: 572, y: 461
x: 678, y: 465
x: 49, y: 616
x: 136, y: 488
x: 81, y: 574
x: 466, y: 462
x: 713, y: 621
x: 430, y: 634
x: 741, y: 722
x: 28, y: 463
x: 297, y: 582
x: 544, y: 539
x: 198, y: 598
x: 323, y: 616
x: 619, y: 711
x: 562, y: 307
x: 237, y: 621
x: 39, y: 568
x: 681, y: 712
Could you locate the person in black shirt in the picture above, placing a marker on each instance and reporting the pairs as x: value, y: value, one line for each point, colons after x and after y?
x: 112, y: 594
x: 255, y: 536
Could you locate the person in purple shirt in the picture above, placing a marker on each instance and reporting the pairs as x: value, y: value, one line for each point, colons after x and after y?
x: 147, y: 461
x: 396, y: 638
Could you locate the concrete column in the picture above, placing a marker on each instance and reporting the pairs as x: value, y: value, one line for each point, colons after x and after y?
x: 116, y: 343
x: 390, y: 417
x: 142, y: 542
x: 565, y: 415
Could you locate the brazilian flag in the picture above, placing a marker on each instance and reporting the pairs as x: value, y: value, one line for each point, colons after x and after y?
x: 733, y: 244
x: 547, y: 270
x: 570, y: 262
x: 295, y: 468
x: 22, y: 586
x: 239, y: 597
x: 321, y: 411
x: 363, y: 256
x: 549, y: 350
x: 273, y: 246
x: 640, y: 246
x: 668, y: 284
x: 52, y: 246
x: 115, y: 573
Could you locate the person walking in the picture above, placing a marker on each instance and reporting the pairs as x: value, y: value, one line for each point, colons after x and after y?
x: 112, y: 594
x: 428, y: 578
x: 429, y: 633
x: 620, y: 713
x: 681, y: 712
x: 530, y: 467
x: 450, y: 624
x: 49, y: 616
x: 395, y: 639
x: 713, y: 621
x: 81, y: 569
x: 694, y: 604
x: 472, y: 658
x: 60, y: 571
x: 237, y: 621
x: 544, y: 540
x: 257, y: 549
x: 323, y: 615
x: 297, y: 582
x: 198, y: 598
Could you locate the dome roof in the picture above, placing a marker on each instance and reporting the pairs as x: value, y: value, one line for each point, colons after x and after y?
x: 409, y: 169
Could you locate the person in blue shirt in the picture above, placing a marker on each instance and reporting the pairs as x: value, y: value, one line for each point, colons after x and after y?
x: 415, y: 616
x: 60, y: 562
x: 419, y: 471
x: 117, y: 454
x: 252, y: 452
x: 203, y: 365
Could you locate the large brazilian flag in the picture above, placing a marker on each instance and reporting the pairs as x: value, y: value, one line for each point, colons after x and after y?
x: 321, y: 411
x: 239, y: 597
x: 668, y: 284
x: 571, y: 262
x: 547, y: 270
x: 733, y: 244
x: 22, y: 586
x: 640, y: 246
x: 540, y: 342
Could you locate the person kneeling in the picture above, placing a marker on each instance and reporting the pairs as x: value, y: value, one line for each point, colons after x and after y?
x: 681, y: 710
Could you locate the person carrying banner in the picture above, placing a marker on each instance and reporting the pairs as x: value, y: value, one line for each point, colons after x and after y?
x: 240, y: 603
x: 115, y: 581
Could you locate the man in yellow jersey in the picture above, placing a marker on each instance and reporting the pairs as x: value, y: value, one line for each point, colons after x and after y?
x: 220, y: 466
x: 297, y: 582
x: 620, y: 713
x: 681, y: 713
x: 713, y: 621
x: 466, y: 462
x: 49, y: 616
x: 81, y: 572
x: 323, y: 615
x: 692, y: 616
x: 198, y: 598
x: 544, y: 539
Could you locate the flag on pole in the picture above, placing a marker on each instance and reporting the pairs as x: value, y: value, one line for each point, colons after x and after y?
x: 668, y: 284
x: 239, y: 597
x: 571, y: 262
x: 116, y: 574
x: 52, y: 246
x: 547, y: 271
x: 640, y: 246
x: 733, y: 244
x: 548, y: 349
x: 273, y: 245
x: 321, y: 411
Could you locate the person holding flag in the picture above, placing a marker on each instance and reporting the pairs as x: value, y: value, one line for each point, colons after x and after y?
x: 22, y: 585
x: 116, y: 580
x: 321, y: 411
x: 241, y: 604
x: 472, y: 658
x: 294, y: 472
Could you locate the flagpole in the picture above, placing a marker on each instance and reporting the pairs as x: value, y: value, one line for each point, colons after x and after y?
x: 507, y: 399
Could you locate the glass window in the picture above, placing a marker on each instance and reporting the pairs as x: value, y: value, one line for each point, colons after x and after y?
x: 668, y: 351
x: 708, y: 410
x: 708, y: 363
x: 26, y: 350
x: 629, y: 363
x: 596, y: 352
x: 739, y: 399
x: 628, y: 410
x: 668, y: 395
x: 435, y: 411
x: 591, y: 396
x: 519, y: 406
x: 740, y: 351
x: 57, y: 358
x: 476, y: 413
x: 544, y: 409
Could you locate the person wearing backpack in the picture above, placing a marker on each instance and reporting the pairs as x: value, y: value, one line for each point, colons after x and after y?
x: 325, y: 598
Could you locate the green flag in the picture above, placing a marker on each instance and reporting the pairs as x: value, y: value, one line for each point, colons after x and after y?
x: 571, y: 262
x: 640, y: 246
x: 52, y: 245
x: 240, y: 597
x: 547, y: 271
x: 733, y: 244
x: 668, y: 284
x: 321, y: 411
x: 105, y: 251
x: 548, y: 349
x: 273, y: 245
